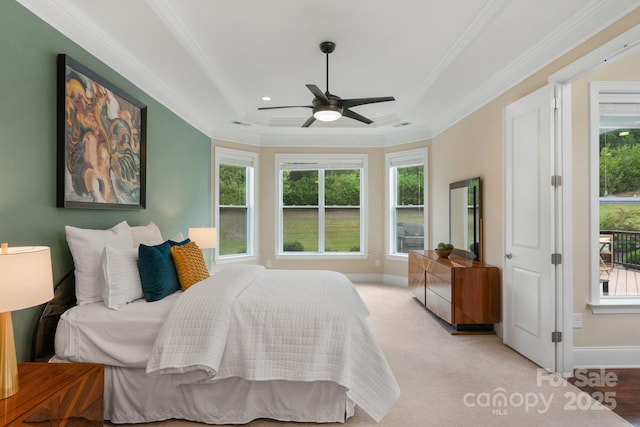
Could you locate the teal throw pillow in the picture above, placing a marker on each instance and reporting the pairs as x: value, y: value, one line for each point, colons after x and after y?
x: 157, y: 271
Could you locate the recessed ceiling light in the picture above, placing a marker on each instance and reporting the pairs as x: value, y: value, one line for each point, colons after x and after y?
x: 266, y: 98
x: 624, y: 133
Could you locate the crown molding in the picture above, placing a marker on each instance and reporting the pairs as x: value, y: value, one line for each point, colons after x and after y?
x: 169, y: 16
x: 529, y: 62
x: 69, y: 21
x: 487, y: 14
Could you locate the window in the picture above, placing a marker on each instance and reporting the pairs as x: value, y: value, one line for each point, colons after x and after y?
x: 615, y: 189
x: 322, y: 205
x: 235, y: 184
x: 406, y: 195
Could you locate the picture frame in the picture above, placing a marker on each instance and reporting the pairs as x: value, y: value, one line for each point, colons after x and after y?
x: 101, y: 141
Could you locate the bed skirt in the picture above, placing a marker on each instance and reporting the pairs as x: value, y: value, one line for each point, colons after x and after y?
x: 131, y: 396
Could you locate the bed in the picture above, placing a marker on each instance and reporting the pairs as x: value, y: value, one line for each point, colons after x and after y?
x: 243, y: 344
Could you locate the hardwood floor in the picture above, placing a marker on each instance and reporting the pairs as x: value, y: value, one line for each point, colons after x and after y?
x: 616, y: 388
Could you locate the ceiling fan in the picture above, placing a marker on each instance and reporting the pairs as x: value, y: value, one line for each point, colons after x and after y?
x: 328, y: 107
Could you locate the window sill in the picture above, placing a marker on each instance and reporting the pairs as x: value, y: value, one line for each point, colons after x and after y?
x: 315, y: 255
x: 236, y: 259
x: 624, y: 305
x: 396, y: 257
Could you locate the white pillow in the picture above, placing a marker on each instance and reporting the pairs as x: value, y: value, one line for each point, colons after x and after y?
x: 86, y: 247
x: 178, y: 237
x: 146, y: 234
x: 121, y: 276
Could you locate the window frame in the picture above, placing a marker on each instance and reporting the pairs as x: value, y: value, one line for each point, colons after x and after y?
x: 610, y: 304
x: 317, y: 162
x: 405, y: 158
x: 249, y: 159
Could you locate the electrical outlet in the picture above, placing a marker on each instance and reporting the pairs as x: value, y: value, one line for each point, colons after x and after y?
x: 577, y: 320
x: 377, y: 263
x: 268, y: 263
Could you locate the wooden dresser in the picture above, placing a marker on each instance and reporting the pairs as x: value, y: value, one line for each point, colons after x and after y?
x: 463, y: 293
x: 56, y: 394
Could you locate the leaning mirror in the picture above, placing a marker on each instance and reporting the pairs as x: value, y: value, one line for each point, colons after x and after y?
x: 465, y: 216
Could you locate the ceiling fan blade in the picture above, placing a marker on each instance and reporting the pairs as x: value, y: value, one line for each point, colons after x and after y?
x: 315, y: 90
x: 287, y: 106
x: 308, y: 122
x: 348, y: 103
x: 353, y: 115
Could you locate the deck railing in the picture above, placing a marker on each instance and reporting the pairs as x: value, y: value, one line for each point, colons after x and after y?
x: 626, y: 248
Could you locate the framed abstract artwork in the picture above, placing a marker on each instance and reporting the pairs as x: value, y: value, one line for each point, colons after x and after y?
x: 101, y: 155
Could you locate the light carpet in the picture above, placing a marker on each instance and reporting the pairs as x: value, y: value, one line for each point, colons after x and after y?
x: 461, y: 380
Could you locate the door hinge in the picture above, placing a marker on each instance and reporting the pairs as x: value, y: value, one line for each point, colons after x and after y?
x: 556, y: 181
x: 556, y: 259
x: 555, y: 103
x: 556, y: 336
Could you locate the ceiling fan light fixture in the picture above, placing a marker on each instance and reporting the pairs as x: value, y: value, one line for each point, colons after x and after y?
x: 327, y: 113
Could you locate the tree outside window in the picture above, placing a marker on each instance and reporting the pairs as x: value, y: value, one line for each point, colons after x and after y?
x: 233, y: 210
x: 321, y: 205
x: 234, y: 178
x: 409, y: 208
x: 406, y: 195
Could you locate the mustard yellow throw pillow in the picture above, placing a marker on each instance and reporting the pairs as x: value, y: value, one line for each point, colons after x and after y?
x: 190, y: 264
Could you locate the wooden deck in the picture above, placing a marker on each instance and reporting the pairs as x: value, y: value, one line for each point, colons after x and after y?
x: 622, y: 282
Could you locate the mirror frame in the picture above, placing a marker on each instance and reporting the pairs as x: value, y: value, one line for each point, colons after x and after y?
x: 474, y: 185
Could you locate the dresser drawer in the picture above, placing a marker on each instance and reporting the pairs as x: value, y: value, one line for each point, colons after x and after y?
x: 439, y: 306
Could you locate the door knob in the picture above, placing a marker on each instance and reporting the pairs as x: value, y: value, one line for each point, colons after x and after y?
x: 508, y: 255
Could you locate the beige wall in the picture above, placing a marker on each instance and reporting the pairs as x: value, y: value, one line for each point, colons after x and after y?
x: 602, y: 329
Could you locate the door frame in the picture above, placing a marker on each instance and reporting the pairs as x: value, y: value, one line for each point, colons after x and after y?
x: 564, y: 232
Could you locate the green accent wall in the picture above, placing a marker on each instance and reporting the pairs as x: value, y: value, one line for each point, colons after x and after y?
x: 178, y: 155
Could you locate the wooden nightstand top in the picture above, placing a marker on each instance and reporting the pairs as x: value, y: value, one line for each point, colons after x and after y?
x: 55, y: 391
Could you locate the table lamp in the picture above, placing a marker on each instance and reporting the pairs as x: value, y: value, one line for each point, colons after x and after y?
x: 205, y: 237
x: 26, y: 280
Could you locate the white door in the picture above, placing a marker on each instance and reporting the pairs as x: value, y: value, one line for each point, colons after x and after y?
x: 528, y: 274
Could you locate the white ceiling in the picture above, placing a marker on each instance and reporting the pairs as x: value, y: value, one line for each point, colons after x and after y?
x: 211, y: 61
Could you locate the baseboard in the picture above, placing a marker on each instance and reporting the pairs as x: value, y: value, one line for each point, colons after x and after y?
x: 387, y: 279
x: 606, y: 357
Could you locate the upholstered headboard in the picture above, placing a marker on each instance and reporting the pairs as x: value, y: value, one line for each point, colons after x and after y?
x: 64, y: 297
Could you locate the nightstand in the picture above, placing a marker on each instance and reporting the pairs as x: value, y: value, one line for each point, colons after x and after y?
x: 55, y: 394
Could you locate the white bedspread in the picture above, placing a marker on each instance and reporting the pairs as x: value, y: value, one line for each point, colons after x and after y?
x: 262, y: 324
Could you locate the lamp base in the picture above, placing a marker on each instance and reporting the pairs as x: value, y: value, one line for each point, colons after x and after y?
x: 9, y: 384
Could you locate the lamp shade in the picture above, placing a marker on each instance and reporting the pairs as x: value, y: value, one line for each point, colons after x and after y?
x: 26, y: 279
x: 205, y: 237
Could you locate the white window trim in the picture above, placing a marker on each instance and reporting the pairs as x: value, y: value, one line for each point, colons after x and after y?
x: 610, y: 304
x: 414, y: 157
x: 230, y: 156
x: 339, y: 160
